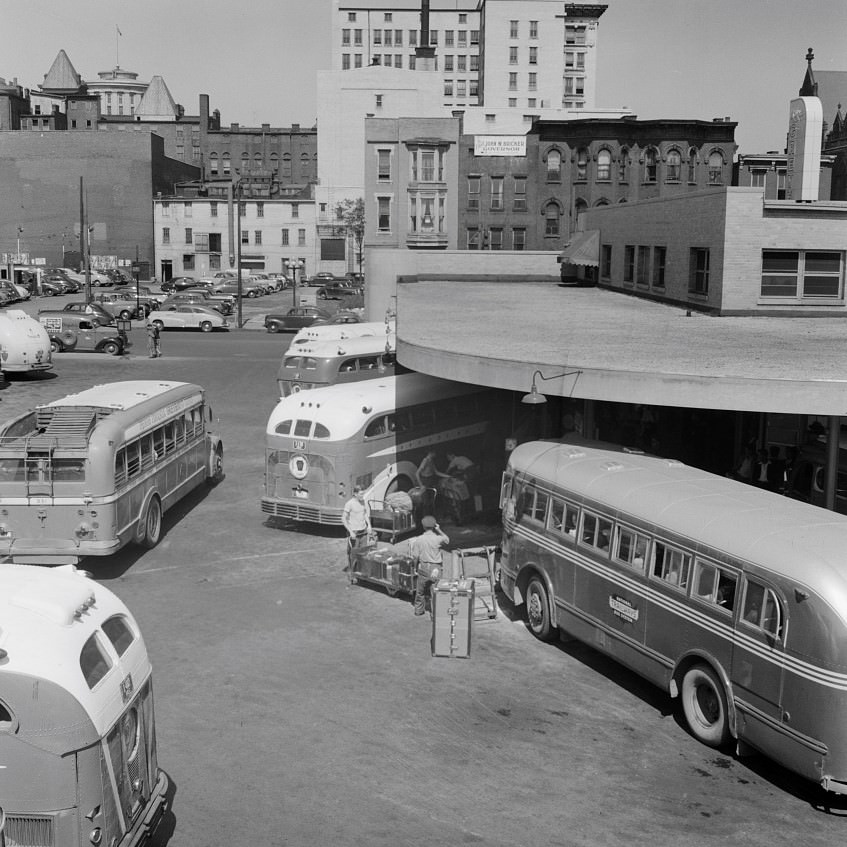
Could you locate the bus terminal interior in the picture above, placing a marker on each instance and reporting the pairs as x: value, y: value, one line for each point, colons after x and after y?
x: 641, y: 374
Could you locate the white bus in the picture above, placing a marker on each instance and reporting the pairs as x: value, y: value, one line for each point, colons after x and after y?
x: 24, y: 342
x: 731, y: 598
x: 317, y: 364
x: 373, y: 433
x: 77, y: 735
x: 334, y: 332
x: 87, y: 474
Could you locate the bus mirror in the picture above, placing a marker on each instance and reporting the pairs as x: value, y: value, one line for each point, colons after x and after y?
x: 209, y: 410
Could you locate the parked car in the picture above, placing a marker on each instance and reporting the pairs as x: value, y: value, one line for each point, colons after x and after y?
x: 321, y: 278
x: 338, y: 290
x: 355, y: 277
x: 143, y: 292
x: 179, y: 283
x: 98, y: 278
x: 281, y: 280
x: 342, y: 316
x: 21, y: 291
x: 124, y: 306
x: 196, y: 297
x: 73, y: 285
x: 294, y: 319
x: 264, y: 282
x: 53, y: 287
x: 188, y: 317
x: 82, y: 333
x: 78, y: 307
x: 231, y: 287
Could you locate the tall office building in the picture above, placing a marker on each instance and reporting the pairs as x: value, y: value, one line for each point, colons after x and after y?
x: 520, y: 54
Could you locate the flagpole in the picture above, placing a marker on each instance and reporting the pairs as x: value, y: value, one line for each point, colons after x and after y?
x: 117, y: 47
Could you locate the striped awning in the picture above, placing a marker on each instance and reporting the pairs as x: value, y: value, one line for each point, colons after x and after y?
x: 584, y: 249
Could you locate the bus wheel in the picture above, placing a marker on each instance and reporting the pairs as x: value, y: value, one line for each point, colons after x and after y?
x: 704, y: 706
x: 538, y: 610
x: 217, y: 467
x: 152, y: 523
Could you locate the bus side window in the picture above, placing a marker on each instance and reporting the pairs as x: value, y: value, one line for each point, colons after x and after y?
x: 596, y: 532
x: 146, y: 443
x: 671, y: 565
x: 348, y: 366
x: 179, y: 431
x: 539, y: 510
x: 377, y: 427
x: 310, y: 363
x: 120, y: 467
x: 93, y: 661
x: 368, y: 363
x: 118, y: 631
x: 714, y: 585
x: 292, y: 362
x: 159, y: 442
x: 761, y: 608
x: 133, y: 459
x: 631, y: 548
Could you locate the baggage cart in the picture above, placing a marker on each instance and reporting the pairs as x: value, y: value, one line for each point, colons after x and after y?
x: 452, y: 618
x: 479, y: 565
x: 385, y: 565
x: 400, y: 513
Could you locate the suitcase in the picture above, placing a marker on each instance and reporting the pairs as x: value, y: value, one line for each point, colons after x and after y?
x: 452, y: 618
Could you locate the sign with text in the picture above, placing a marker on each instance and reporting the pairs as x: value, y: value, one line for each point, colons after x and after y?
x: 803, y: 171
x: 499, y: 145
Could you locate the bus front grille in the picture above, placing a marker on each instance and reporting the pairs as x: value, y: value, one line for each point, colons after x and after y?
x: 28, y: 832
x: 306, y: 512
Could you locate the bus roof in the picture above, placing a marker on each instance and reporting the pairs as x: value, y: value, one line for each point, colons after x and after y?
x: 119, y: 396
x: 321, y: 348
x: 344, y: 409
x: 793, y: 539
x: 46, y: 616
x: 352, y: 330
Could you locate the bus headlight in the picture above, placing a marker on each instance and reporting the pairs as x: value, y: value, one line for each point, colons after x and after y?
x: 5, y: 532
x: 95, y: 836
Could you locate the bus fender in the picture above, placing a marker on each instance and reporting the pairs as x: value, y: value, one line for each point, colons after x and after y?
x: 694, y: 657
x: 140, y: 526
x: 522, y: 579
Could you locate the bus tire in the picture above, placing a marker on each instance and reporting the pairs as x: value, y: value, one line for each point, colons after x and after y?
x: 704, y: 706
x: 216, y: 467
x: 537, y: 610
x: 152, y: 523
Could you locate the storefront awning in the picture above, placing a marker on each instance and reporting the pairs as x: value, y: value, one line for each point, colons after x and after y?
x: 584, y: 249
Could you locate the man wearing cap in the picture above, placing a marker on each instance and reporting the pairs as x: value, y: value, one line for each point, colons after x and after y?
x: 356, y: 518
x: 426, y: 548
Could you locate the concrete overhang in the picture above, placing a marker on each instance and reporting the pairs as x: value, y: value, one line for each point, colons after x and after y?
x: 626, y: 349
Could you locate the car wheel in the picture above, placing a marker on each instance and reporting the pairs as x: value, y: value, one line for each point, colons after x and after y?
x: 125, y: 315
x: 274, y: 327
x: 251, y: 293
x: 206, y: 326
x: 49, y: 293
x: 159, y: 325
x: 112, y: 348
x: 56, y: 346
x: 322, y: 295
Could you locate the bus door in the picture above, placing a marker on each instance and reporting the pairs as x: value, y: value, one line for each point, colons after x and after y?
x: 758, y: 657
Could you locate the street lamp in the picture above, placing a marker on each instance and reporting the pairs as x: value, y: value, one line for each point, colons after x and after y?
x: 294, y: 265
x: 534, y: 398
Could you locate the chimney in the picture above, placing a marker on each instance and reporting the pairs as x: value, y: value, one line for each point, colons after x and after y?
x: 425, y: 53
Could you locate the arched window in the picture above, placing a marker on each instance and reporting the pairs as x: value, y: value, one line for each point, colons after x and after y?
x: 579, y: 209
x: 286, y: 166
x: 692, y: 165
x: 257, y: 160
x: 275, y: 162
x: 226, y: 164
x: 715, y: 168
x: 304, y: 166
x: 582, y: 164
x: 551, y: 216
x: 674, y: 166
x: 651, y: 167
x: 623, y: 162
x: 554, y: 166
x: 213, y: 164
x: 602, y: 202
x: 245, y: 161
x: 604, y: 166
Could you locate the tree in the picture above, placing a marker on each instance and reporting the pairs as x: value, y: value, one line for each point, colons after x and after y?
x: 352, y: 215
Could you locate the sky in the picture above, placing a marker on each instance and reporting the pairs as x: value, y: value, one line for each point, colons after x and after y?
x: 257, y: 60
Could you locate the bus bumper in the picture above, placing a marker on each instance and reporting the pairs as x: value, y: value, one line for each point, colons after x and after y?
x: 58, y: 551
x: 157, y: 806
x: 301, y: 511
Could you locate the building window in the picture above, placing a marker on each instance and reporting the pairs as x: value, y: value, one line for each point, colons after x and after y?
x: 497, y: 192
x: 698, y: 271
x: 551, y: 220
x: 213, y: 164
x: 604, y: 166
x: 581, y: 164
x: 226, y: 164
x: 518, y: 238
x: 377, y: 36
x: 474, y: 36
x: 413, y: 38
x: 301, y: 237
x: 554, y: 166
x: 651, y: 168
x: 448, y: 37
x: 351, y: 17
x: 660, y: 255
x: 383, y: 165
x: 187, y: 209
x: 345, y: 61
x: 674, y: 166
x: 260, y: 210
x: 166, y: 235
x: 574, y: 34
x: 520, y: 194
x: 357, y: 38
x: 757, y: 178
x: 433, y: 37
x: 474, y: 63
x: 715, y: 168
x: 387, y: 40
x: 473, y: 192
x: 357, y: 60
x: 345, y: 37
x: 643, y: 267
x: 448, y: 87
x: 533, y: 55
x: 606, y: 261
x: 513, y: 55
x: 623, y: 162
x: 398, y: 37
x: 780, y: 185
x: 424, y: 164
x: 188, y: 262
x: 412, y: 58
x: 629, y: 263
x: 802, y: 273
x: 378, y: 101
x: 473, y: 238
x: 242, y: 210
x: 166, y: 209
x: 295, y: 210
x: 513, y: 102
x: 461, y: 88
x: 513, y: 82
x: 462, y: 63
x: 189, y: 235
x: 496, y: 238
x: 533, y: 82
x: 213, y: 210
x: 383, y: 214
x: 513, y: 29
x: 257, y: 237
x: 285, y: 238
x: 245, y: 238
x: 692, y: 165
x: 533, y: 29
x: 463, y: 38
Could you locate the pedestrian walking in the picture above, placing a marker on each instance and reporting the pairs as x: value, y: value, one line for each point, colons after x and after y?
x: 153, y: 348
x: 356, y: 519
